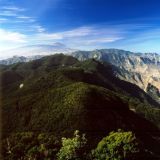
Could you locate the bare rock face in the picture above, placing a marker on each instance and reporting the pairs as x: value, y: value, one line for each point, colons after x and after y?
x: 142, y: 69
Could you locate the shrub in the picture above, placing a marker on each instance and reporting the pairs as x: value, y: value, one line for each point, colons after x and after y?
x: 72, y: 148
x: 117, y: 146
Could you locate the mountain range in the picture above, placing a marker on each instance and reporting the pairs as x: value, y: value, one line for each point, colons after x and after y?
x: 142, y: 69
x: 59, y: 94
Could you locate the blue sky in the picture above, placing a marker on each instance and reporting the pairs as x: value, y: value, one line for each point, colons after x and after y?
x: 81, y: 24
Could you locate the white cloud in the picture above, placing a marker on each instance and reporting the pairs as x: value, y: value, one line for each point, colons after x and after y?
x: 11, y: 37
x: 39, y: 28
x: 48, y: 37
x: 12, y: 16
x: 103, y: 40
x: 3, y: 20
x: 13, y: 8
x: 78, y: 32
x: 31, y: 19
x: 85, y: 35
x: 77, y: 37
x: 24, y: 17
x: 8, y: 13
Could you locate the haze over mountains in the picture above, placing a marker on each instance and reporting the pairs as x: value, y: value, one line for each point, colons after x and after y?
x: 34, y: 50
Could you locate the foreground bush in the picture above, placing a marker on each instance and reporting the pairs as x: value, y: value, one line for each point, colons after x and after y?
x: 30, y: 146
x: 117, y: 146
x: 72, y: 148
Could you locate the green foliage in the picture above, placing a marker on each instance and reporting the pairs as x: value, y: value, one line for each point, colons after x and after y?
x: 72, y: 148
x: 117, y: 146
x: 29, y: 145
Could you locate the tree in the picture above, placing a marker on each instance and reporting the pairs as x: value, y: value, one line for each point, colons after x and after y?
x: 117, y: 146
x: 72, y: 148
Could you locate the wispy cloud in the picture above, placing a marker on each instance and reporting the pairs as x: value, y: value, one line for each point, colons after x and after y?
x: 25, y: 18
x: 13, y: 8
x: 10, y: 11
x: 78, y: 32
x: 22, y: 17
x: 14, y: 13
x: 3, y: 20
x: 102, y: 40
x: 82, y: 36
x: 39, y: 28
x: 12, y: 37
x: 12, y: 16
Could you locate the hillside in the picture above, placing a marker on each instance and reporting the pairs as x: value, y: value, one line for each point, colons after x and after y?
x: 59, y: 94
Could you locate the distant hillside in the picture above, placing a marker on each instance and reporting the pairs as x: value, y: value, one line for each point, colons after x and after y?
x: 19, y: 59
x: 60, y: 94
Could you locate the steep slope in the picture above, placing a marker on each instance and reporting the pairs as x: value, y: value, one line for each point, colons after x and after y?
x: 81, y: 95
x: 137, y: 68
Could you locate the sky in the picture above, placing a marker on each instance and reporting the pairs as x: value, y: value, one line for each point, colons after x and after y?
x: 81, y: 24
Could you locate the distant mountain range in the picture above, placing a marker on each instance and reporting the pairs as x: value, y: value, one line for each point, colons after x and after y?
x: 142, y: 69
x: 19, y: 59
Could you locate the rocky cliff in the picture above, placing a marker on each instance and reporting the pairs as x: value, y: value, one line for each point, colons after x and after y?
x: 142, y: 69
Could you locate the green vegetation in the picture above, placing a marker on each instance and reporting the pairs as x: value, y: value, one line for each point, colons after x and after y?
x: 72, y: 148
x: 29, y: 146
x: 118, y: 146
